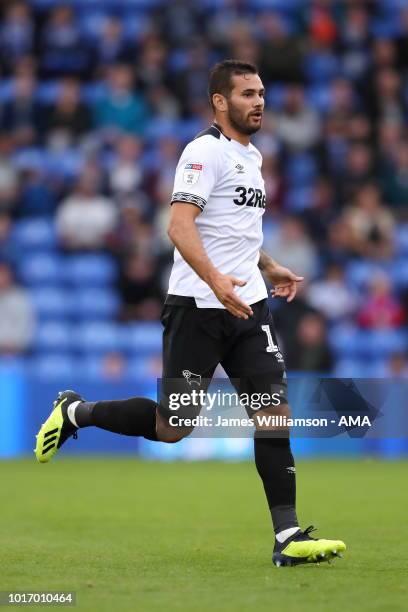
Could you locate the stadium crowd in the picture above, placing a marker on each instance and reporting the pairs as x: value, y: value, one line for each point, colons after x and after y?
x: 97, y: 100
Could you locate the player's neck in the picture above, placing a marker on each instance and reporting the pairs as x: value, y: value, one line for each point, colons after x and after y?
x: 230, y: 132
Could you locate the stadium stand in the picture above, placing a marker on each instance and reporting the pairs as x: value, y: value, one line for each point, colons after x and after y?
x: 76, y: 77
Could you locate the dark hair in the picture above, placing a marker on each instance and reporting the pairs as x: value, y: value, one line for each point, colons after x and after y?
x: 220, y: 76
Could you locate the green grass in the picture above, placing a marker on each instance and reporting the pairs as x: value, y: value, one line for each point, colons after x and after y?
x: 131, y: 535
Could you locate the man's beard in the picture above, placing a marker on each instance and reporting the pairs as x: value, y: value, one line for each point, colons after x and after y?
x: 238, y: 122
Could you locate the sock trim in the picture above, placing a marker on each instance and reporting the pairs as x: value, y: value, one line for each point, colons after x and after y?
x: 71, y: 412
x: 282, y: 536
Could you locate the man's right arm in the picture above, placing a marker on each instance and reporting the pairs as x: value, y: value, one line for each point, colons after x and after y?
x: 183, y: 232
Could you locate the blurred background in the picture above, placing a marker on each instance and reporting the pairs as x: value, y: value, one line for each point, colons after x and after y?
x: 97, y: 100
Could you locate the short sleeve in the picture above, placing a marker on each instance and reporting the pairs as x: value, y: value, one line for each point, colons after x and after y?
x: 196, y: 174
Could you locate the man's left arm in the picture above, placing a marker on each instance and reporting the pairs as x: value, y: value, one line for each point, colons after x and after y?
x: 284, y: 281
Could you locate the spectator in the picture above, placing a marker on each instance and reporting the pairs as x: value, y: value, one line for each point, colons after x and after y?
x: 8, y: 175
x: 354, y: 41
x: 337, y: 249
x: 111, y: 47
x: 275, y: 184
x: 321, y: 212
x: 16, y: 34
x: 395, y: 181
x: 86, y: 218
x: 139, y: 288
x: 36, y: 197
x: 310, y: 350
x: 358, y: 171
x: 297, y: 125
x: 180, y: 20
x: 152, y: 66
x: 69, y: 120
x: 113, y: 366
x: 294, y: 248
x: 331, y: 296
x: 16, y: 315
x: 125, y: 175
x: 397, y: 366
x: 342, y: 100
x: 22, y: 115
x: 281, y: 58
x: 194, y: 79
x: 370, y: 224
x: 387, y: 103
x: 381, y: 309
x: 322, y: 27
x: 120, y: 110
x: 10, y: 253
x: 63, y: 49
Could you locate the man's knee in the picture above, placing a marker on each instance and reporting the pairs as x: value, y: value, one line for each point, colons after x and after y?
x: 168, y: 433
x: 273, y: 418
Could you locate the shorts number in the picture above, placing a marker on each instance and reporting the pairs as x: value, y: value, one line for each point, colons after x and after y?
x: 272, y: 347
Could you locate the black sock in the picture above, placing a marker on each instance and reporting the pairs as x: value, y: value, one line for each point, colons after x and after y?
x: 275, y: 465
x: 131, y: 417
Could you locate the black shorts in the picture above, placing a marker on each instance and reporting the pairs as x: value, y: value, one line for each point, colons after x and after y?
x: 196, y: 340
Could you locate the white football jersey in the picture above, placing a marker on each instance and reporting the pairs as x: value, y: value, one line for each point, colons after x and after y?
x: 223, y: 178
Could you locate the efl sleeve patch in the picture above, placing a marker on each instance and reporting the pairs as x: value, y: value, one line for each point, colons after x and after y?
x: 191, y: 173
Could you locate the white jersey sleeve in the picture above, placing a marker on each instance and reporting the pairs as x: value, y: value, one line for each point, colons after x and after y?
x: 196, y: 173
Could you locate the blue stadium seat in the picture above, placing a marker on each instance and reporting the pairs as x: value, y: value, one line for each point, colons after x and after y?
x: 143, y: 337
x: 386, y: 27
x: 91, y: 23
x: 89, y: 270
x: 92, y: 92
x: 350, y: 368
x: 275, y: 96
x: 40, y: 269
x: 138, y: 367
x: 98, y: 337
x: 322, y: 67
x: 345, y: 340
x: 399, y: 272
x: 48, y: 91
x: 53, y: 365
x: 53, y: 336
x: 52, y: 302
x: 319, y: 97
x: 380, y: 343
x: 33, y: 234
x: 359, y: 273
x: 30, y: 158
x: 6, y: 90
x: 401, y: 238
x: 96, y: 303
x: 66, y: 164
x: 298, y: 199
x: 301, y: 169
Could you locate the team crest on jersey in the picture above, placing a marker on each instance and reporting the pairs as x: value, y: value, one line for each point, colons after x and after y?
x: 192, y: 378
x: 192, y: 173
x: 240, y: 169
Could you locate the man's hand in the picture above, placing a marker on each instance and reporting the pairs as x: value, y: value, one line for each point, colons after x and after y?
x: 284, y: 281
x: 223, y: 287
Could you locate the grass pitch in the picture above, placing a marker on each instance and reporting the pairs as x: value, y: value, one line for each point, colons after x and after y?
x: 128, y: 535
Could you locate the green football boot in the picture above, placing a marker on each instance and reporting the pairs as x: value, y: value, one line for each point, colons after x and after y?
x: 57, y: 428
x: 301, y: 548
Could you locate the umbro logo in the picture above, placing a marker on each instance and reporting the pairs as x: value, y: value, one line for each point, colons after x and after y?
x: 240, y: 169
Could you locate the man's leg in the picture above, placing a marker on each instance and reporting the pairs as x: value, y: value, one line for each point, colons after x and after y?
x: 255, y: 365
x: 192, y: 348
